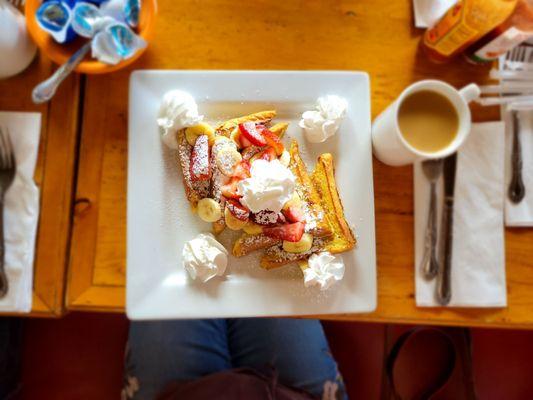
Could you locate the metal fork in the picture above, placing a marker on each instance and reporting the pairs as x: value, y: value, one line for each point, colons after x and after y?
x: 8, y: 168
x: 432, y: 170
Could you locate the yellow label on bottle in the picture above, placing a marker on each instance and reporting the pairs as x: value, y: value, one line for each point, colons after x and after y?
x: 465, y: 23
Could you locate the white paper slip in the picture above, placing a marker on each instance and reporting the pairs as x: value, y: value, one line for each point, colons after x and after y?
x: 21, y: 210
x: 478, y: 256
x: 520, y: 214
x: 428, y: 12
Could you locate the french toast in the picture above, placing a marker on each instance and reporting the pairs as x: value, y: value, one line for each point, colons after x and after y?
x: 323, y: 178
x: 215, y: 161
x: 193, y: 190
x: 316, y: 223
x: 341, y: 238
x: 228, y: 126
x: 278, y: 129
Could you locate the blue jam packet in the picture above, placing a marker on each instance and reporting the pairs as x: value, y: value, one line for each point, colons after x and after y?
x: 86, y: 18
x: 54, y: 16
x: 132, y: 8
x: 124, y: 40
x: 116, y: 42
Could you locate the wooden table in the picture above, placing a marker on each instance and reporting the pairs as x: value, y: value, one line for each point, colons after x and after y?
x: 373, y: 35
x: 54, y: 176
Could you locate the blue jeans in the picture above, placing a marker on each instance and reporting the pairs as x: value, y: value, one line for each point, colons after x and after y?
x: 161, y: 352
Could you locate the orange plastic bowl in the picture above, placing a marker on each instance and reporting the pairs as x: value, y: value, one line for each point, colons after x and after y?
x: 60, y: 53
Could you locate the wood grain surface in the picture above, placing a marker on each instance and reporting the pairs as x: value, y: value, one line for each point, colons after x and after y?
x: 374, y: 36
x: 54, y: 175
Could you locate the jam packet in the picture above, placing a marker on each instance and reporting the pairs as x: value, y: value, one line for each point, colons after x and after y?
x: 54, y: 17
x: 116, y: 42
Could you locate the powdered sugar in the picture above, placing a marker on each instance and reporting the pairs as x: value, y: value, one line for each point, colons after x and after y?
x: 278, y: 254
x: 200, y: 158
x: 265, y: 217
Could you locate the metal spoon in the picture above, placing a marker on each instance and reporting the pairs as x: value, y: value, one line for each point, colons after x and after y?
x: 432, y: 170
x: 45, y: 90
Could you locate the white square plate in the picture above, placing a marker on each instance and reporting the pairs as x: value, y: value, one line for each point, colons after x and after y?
x: 159, y: 220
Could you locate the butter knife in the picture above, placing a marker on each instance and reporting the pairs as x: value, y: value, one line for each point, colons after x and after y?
x: 444, y: 290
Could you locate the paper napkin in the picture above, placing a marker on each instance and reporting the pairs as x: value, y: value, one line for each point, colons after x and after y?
x: 21, y: 210
x: 428, y: 12
x: 520, y: 214
x: 478, y: 257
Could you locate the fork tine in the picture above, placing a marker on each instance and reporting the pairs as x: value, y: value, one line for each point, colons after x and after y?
x: 2, y: 149
x: 5, y: 150
x: 12, y: 158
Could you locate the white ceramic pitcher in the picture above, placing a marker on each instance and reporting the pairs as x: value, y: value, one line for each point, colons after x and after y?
x: 16, y: 48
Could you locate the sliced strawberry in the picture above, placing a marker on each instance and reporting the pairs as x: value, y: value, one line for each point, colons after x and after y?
x: 245, y: 143
x: 272, y: 140
x: 294, y: 213
x: 242, y: 170
x: 249, y: 131
x: 265, y: 217
x: 238, y: 210
x: 281, y: 218
x: 230, y: 190
x: 267, y: 154
x: 289, y: 232
x: 200, y: 168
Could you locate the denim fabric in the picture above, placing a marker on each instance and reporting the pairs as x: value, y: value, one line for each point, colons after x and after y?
x: 161, y: 352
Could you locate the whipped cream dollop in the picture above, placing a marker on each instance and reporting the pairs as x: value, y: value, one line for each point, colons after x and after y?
x: 322, y: 123
x: 177, y: 111
x: 324, y: 269
x: 269, y: 187
x: 204, y: 257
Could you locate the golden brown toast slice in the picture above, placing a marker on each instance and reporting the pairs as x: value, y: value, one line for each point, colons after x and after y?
x: 276, y: 257
x: 342, y: 238
x: 226, y: 127
x: 246, y: 244
x: 316, y: 224
x: 279, y: 129
x: 324, y: 180
x: 194, y: 191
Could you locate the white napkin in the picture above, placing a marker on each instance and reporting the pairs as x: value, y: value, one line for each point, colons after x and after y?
x: 520, y: 214
x: 428, y: 12
x: 21, y: 211
x: 478, y: 257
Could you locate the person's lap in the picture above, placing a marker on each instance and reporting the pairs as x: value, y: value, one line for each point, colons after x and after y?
x: 161, y: 352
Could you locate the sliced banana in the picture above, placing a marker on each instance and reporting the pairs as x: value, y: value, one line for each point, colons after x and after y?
x: 302, y: 246
x: 234, y: 135
x: 252, y: 228
x: 226, y: 159
x: 209, y: 210
x: 223, y: 141
x: 285, y: 158
x: 295, y: 200
x: 232, y: 222
x: 203, y: 128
